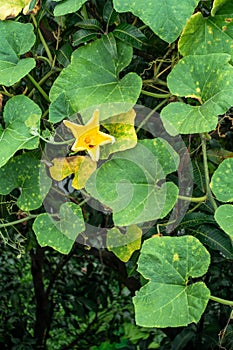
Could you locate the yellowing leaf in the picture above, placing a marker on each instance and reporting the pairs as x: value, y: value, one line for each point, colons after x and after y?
x: 12, y: 8
x: 89, y: 137
x: 123, y: 245
x: 81, y: 166
x: 121, y: 127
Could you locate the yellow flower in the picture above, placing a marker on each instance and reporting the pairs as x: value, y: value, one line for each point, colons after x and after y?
x: 88, y: 137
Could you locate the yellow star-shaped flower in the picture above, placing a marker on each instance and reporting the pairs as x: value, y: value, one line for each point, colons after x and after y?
x: 88, y: 137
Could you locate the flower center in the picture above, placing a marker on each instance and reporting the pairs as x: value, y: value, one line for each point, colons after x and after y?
x: 89, y: 141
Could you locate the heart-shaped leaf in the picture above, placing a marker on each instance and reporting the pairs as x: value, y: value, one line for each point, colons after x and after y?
x: 15, y: 40
x: 28, y: 174
x: 60, y: 234
x: 130, y: 183
x: 165, y: 18
x: 209, y: 80
x: 123, y: 245
x: 19, y: 123
x: 204, y: 35
x: 169, y: 299
x: 221, y: 182
x: 92, y: 81
x: 224, y: 217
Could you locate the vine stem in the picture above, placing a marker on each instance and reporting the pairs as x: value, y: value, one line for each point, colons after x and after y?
x: 150, y: 114
x: 45, y: 77
x: 5, y: 92
x: 193, y: 199
x: 29, y: 217
x: 67, y: 142
x: 206, y: 172
x: 154, y: 81
x: 152, y: 94
x: 39, y: 88
x: 221, y: 301
x: 50, y: 57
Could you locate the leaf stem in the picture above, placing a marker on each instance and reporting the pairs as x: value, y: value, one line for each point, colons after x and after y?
x: 42, y: 58
x: 5, y: 92
x: 153, y: 94
x: 45, y: 77
x: 50, y: 57
x: 55, y: 142
x: 150, y: 114
x: 29, y: 217
x: 193, y: 199
x: 39, y: 88
x: 143, y: 27
x: 206, y: 172
x: 154, y: 80
x: 221, y: 301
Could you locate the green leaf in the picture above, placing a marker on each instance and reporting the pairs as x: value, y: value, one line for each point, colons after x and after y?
x: 213, y: 238
x: 121, y: 127
x: 92, y: 81
x: 129, y: 183
x: 15, y: 40
x: 130, y: 35
x: 89, y: 23
x: 183, y: 338
x: 224, y: 217
x: 222, y: 7
x: 168, y: 299
x: 83, y: 36
x: 64, y: 54
x: 25, y: 172
x: 32, y: 5
x: 19, y: 124
x: 195, y: 219
x: 60, y: 235
x: 124, y: 244
x: 60, y: 109
x: 67, y: 6
x: 203, y: 35
x: 110, y: 16
x: 221, y: 182
x: 209, y: 80
x: 165, y: 18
